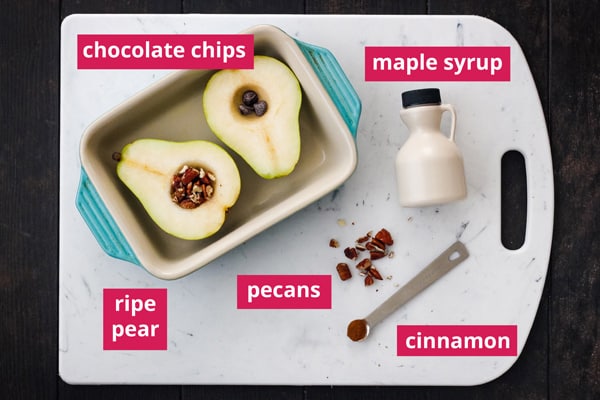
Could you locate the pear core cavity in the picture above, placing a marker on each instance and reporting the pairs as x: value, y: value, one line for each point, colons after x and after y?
x: 192, y: 186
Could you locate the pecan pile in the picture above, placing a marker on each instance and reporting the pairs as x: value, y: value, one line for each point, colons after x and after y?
x: 191, y: 186
x: 376, y: 246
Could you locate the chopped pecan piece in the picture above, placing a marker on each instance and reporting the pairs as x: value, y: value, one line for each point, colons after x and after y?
x: 351, y: 253
x: 376, y: 254
x: 375, y: 274
x: 343, y: 271
x: 364, y: 265
x: 385, y: 237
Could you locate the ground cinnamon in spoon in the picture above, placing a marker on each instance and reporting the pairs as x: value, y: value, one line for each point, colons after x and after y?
x: 357, y: 330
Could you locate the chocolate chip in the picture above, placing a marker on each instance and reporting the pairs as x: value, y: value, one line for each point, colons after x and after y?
x: 249, y: 98
x: 260, y: 108
x: 245, y: 110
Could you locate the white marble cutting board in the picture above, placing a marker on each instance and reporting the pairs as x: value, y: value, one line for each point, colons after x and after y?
x: 209, y: 340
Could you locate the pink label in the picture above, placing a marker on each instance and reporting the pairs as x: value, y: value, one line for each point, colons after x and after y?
x: 135, y: 319
x: 284, y: 291
x: 456, y: 340
x: 406, y: 63
x: 165, y: 51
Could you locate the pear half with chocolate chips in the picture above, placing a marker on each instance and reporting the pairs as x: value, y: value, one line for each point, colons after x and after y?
x: 255, y: 112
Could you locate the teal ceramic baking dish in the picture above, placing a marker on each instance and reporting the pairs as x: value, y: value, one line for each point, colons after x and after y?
x: 171, y: 109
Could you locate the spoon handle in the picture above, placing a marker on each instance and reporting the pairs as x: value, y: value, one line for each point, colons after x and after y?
x: 450, y: 258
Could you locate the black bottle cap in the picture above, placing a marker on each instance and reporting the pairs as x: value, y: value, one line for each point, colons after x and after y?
x: 421, y: 97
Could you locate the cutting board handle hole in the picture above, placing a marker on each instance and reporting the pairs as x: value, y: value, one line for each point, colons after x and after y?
x: 513, y: 199
x: 455, y: 255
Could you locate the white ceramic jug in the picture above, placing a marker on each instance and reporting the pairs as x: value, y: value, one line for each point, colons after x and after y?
x: 429, y: 166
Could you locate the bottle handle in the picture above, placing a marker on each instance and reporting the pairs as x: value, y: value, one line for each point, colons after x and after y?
x: 450, y: 109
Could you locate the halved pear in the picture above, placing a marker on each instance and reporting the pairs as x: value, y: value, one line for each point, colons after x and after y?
x: 269, y: 143
x: 150, y: 169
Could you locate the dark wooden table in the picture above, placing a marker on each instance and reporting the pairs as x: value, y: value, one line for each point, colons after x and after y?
x: 561, y: 359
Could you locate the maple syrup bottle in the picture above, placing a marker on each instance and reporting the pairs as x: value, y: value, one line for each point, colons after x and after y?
x: 429, y: 166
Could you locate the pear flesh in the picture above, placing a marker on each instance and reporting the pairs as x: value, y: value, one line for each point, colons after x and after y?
x: 269, y: 143
x: 147, y: 167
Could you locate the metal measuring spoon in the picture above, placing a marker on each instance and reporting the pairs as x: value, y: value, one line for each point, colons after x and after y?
x: 359, y: 328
